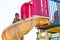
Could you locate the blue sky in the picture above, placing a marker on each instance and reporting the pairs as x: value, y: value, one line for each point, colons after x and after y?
x: 7, y: 10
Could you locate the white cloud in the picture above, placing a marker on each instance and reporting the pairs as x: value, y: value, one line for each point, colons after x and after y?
x: 7, y: 10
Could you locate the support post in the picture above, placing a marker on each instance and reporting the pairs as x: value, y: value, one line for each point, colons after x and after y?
x: 46, y: 35
x: 40, y: 35
x: 37, y: 34
x: 50, y: 36
x: 59, y: 35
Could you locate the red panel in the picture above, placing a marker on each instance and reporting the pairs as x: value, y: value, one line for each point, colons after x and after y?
x: 30, y: 10
x: 26, y: 10
x: 40, y: 7
x: 45, y: 8
x: 37, y: 7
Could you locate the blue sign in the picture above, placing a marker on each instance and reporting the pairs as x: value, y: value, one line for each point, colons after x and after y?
x: 56, y: 0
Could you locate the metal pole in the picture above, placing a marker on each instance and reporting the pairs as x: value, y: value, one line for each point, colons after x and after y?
x: 46, y: 35
x: 37, y: 34
x: 40, y: 35
x: 59, y: 35
x: 50, y: 36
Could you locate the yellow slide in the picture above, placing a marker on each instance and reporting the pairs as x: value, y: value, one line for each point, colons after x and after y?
x: 17, y: 30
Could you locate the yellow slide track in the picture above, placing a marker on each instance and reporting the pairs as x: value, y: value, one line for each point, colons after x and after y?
x: 55, y: 29
x: 17, y: 30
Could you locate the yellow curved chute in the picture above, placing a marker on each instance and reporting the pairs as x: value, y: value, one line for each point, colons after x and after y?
x: 19, y: 29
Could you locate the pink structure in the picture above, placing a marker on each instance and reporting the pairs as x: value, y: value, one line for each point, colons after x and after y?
x: 40, y: 7
x: 37, y: 7
x: 26, y: 10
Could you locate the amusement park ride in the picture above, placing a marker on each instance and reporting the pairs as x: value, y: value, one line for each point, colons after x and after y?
x: 35, y: 13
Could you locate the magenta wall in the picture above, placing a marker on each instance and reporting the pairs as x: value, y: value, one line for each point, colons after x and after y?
x: 40, y: 7
x: 26, y: 10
